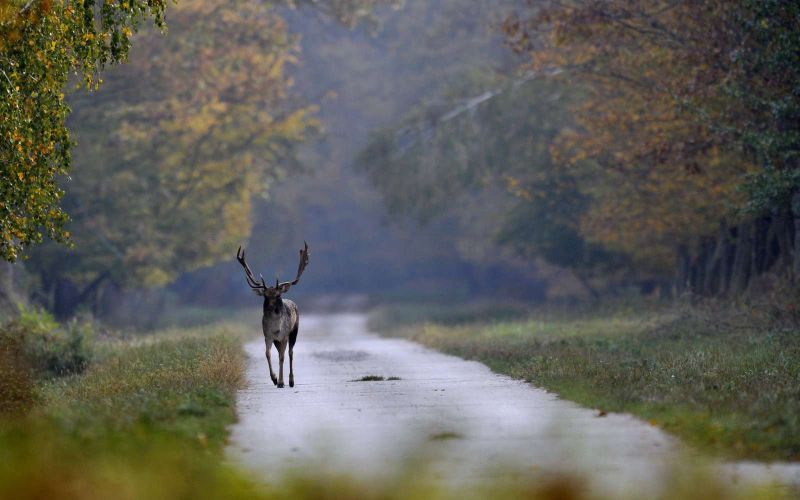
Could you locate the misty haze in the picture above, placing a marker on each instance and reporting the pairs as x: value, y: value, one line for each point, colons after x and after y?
x: 399, y: 249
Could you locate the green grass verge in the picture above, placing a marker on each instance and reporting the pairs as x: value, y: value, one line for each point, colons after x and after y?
x: 723, y: 386
x: 146, y: 419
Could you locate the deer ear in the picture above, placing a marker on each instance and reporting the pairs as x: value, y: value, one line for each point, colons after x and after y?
x: 259, y: 292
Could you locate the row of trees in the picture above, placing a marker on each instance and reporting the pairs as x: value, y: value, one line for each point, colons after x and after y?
x: 173, y: 150
x: 640, y: 140
x: 369, y: 76
x: 170, y: 151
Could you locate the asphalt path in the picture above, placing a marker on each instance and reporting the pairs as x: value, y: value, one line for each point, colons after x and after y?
x: 453, y: 419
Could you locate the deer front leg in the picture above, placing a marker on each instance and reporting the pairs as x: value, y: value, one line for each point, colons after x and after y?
x: 291, y: 367
x: 281, y: 352
x: 269, y: 363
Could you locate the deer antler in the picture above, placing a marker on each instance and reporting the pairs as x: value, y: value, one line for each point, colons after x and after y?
x: 251, y: 280
x: 284, y: 287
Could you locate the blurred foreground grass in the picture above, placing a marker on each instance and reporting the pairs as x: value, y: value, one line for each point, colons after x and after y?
x: 720, y: 380
x: 146, y: 417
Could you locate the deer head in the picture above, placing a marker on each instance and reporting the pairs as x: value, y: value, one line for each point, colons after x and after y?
x: 260, y: 287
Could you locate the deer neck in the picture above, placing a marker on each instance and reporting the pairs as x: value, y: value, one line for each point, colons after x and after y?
x: 273, y: 307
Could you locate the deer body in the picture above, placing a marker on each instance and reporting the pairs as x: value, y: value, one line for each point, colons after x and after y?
x: 280, y: 324
x: 281, y: 320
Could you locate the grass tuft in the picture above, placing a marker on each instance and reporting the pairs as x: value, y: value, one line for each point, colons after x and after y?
x: 375, y: 378
x: 369, y: 378
x: 444, y: 436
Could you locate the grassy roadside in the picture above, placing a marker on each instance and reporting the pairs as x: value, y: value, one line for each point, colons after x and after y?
x: 144, y: 418
x: 721, y: 384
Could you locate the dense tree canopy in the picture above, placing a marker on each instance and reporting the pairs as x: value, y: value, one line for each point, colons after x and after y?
x: 681, y: 141
x: 175, y: 146
x: 482, y: 155
x: 618, y: 138
x: 369, y: 80
x: 690, y: 119
x: 42, y: 43
x: 172, y: 149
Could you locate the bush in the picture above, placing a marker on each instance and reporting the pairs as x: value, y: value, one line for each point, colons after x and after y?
x: 35, y: 320
x: 33, y: 346
x: 47, y: 348
x: 16, y: 381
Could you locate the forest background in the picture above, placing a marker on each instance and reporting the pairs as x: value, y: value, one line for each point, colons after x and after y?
x: 426, y: 149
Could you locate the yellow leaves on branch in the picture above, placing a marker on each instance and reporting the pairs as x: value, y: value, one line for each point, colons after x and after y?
x: 201, y: 126
x: 656, y: 172
x: 517, y: 188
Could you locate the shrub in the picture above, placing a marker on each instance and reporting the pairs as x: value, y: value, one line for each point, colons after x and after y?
x: 47, y: 348
x: 35, y: 320
x: 16, y: 382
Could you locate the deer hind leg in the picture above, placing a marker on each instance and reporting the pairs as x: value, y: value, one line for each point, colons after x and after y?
x: 292, y: 340
x: 269, y: 363
x: 281, y: 352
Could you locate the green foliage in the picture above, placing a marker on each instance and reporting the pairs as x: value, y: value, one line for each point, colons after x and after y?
x: 175, y: 148
x: 41, y: 44
x: 688, y: 116
x: 369, y: 81
x: 491, y: 147
x: 446, y: 150
x: 770, y: 190
x: 350, y: 13
x: 145, y: 421
x: 63, y: 351
x: 766, y: 69
x: 36, y: 320
x: 47, y: 348
x: 152, y: 385
x: 33, y: 347
x: 659, y: 126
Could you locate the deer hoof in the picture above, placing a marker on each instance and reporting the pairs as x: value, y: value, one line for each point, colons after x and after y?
x: 280, y: 385
x: 275, y: 380
x: 291, y: 382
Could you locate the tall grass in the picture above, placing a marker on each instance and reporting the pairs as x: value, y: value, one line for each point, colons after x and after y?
x: 144, y: 419
x: 147, y: 417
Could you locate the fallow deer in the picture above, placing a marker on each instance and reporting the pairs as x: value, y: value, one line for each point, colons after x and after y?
x: 281, y: 318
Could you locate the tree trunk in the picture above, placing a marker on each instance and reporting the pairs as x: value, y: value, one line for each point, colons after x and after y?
x: 68, y: 297
x: 761, y: 236
x: 796, y: 246
x: 584, y: 281
x: 727, y: 261
x: 8, y: 289
x: 714, y: 269
x: 682, y: 275
x: 665, y: 289
x: 783, y: 233
x: 699, y: 267
x: 65, y: 298
x: 740, y: 274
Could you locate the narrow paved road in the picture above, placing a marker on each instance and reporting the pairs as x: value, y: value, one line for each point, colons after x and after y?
x: 462, y: 421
